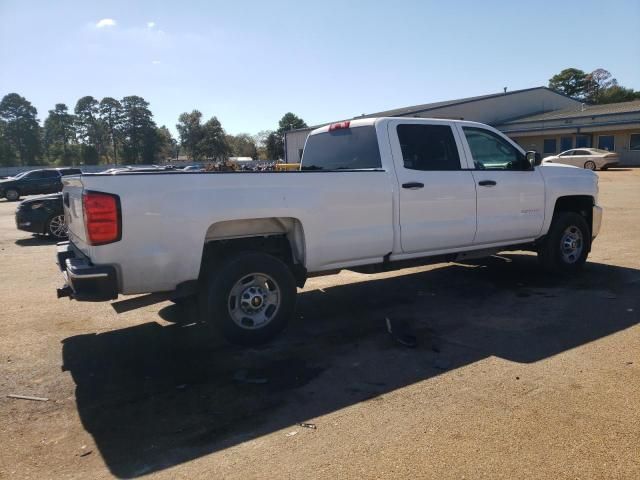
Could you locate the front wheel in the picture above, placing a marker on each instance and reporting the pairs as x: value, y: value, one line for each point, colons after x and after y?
x: 567, y: 244
x: 249, y: 298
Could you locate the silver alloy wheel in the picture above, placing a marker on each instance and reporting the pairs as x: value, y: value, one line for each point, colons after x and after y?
x: 254, y: 301
x: 57, y: 226
x: 571, y: 244
x: 590, y: 165
x: 12, y: 195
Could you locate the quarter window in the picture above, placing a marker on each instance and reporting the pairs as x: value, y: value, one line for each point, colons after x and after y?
x: 606, y: 142
x: 634, y: 141
x: 428, y: 147
x: 492, y: 152
x: 549, y: 145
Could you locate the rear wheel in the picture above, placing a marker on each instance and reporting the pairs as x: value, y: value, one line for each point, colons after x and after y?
x: 590, y: 165
x: 12, y: 194
x: 567, y: 244
x: 56, y: 227
x: 249, y: 298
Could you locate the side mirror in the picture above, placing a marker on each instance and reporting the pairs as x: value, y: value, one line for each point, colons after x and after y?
x: 533, y: 158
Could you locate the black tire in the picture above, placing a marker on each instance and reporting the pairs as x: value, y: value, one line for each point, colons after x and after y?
x: 53, y: 227
x: 217, y: 300
x: 590, y: 165
x: 556, y: 254
x: 12, y: 195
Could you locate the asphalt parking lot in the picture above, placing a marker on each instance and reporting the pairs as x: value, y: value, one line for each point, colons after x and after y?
x: 517, y: 374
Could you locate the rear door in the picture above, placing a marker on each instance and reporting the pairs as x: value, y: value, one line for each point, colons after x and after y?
x: 510, y: 204
x: 437, y: 196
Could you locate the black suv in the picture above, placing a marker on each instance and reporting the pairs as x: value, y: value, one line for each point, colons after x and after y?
x: 35, y: 182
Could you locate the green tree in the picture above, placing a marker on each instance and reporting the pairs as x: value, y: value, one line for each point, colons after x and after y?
x: 7, y: 155
x: 20, y: 131
x: 191, y: 132
x: 138, y: 130
x: 274, y: 146
x: 597, y: 83
x: 242, y: 145
x: 616, y: 93
x: 89, y: 129
x: 166, y: 144
x: 213, y: 144
x: 59, y: 134
x: 111, y: 115
x: 274, y: 142
x: 571, y: 82
x: 290, y: 121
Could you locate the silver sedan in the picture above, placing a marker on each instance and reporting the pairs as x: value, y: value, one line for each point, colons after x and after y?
x: 590, y: 158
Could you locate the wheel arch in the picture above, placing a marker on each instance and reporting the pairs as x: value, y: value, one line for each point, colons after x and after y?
x: 581, y: 204
x: 282, y: 237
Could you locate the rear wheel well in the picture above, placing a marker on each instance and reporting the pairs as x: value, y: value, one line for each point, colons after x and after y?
x: 278, y: 246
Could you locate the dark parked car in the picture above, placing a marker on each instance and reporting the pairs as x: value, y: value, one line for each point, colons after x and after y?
x: 35, y: 182
x: 43, y: 215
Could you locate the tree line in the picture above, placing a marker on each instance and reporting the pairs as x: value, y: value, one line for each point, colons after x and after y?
x: 112, y: 131
x: 597, y: 88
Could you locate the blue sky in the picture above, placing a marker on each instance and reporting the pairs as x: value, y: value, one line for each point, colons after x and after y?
x: 250, y: 62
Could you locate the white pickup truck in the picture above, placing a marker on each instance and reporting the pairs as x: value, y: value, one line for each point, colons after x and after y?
x: 371, y: 194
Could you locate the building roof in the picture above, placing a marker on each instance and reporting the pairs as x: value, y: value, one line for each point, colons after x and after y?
x: 581, y: 112
x: 397, y: 112
x: 425, y: 107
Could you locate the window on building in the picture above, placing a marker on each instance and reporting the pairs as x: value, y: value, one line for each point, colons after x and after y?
x: 549, y: 145
x: 566, y: 143
x: 492, y: 152
x: 583, y: 141
x: 606, y: 142
x: 428, y: 147
x: 634, y: 141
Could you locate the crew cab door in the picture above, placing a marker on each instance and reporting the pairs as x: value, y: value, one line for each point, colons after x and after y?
x: 510, y: 203
x: 437, y: 196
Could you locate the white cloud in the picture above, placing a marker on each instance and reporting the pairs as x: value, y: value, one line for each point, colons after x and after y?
x: 106, y: 22
x: 151, y: 24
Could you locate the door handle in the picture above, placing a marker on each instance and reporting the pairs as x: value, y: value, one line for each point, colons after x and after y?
x: 487, y: 183
x: 413, y: 185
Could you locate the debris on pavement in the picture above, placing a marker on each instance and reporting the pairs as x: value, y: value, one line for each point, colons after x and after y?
x: 291, y: 434
x: 308, y: 425
x: 28, y: 397
x: 401, y: 332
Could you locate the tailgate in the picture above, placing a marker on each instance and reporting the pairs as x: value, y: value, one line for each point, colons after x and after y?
x: 72, y: 199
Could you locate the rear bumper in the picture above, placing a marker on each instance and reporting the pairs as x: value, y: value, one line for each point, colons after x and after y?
x: 84, y: 281
x: 596, y: 221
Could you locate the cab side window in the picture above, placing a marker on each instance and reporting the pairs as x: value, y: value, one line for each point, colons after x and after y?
x: 492, y: 152
x: 428, y: 147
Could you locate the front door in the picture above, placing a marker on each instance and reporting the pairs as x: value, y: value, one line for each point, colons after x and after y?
x: 510, y: 191
x: 437, y: 197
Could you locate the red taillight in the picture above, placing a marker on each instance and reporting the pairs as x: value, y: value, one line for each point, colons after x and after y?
x: 101, y: 217
x: 339, y: 125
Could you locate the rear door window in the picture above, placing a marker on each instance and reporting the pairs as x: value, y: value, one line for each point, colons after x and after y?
x: 428, y: 147
x: 343, y: 149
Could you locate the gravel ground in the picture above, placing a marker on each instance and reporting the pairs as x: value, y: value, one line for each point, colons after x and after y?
x: 517, y: 374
